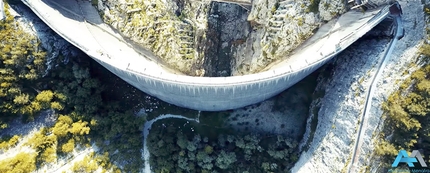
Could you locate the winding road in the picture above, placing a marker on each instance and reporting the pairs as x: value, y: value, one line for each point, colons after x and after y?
x: 353, y: 167
x: 146, y: 129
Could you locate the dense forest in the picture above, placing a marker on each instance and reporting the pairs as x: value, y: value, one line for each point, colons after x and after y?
x: 87, y: 112
x: 407, y: 112
x: 176, y: 148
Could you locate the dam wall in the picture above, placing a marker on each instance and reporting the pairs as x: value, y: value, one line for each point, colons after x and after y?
x: 2, y: 11
x: 211, y: 97
x: 201, y: 93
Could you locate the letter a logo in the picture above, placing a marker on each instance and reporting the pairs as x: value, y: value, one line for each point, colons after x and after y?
x: 403, y: 157
x: 418, y: 156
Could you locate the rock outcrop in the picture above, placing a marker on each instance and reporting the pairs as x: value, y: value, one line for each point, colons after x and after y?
x: 278, y: 28
x: 219, y: 39
x: 227, y: 29
x: 172, y: 30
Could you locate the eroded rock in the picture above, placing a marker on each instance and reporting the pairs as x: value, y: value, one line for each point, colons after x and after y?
x: 196, y: 40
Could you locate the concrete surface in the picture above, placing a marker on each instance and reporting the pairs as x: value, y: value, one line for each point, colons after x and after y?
x: 2, y: 13
x: 200, y: 93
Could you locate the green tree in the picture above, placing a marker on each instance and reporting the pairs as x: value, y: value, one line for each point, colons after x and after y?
x: 22, y: 162
x: 6, y: 144
x: 182, y: 141
x: 49, y: 155
x: 80, y: 128
x: 45, y: 96
x: 224, y: 159
x: 69, y: 146
x: 62, y: 126
x: 208, y: 149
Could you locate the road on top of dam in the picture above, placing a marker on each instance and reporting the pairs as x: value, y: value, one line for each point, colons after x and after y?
x: 79, y: 23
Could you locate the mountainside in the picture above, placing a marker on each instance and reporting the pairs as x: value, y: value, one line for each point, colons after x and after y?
x: 219, y: 39
x: 335, y: 115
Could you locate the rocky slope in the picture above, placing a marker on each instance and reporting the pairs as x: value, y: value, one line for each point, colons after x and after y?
x: 328, y: 144
x: 171, y: 29
x: 278, y: 28
x: 219, y: 39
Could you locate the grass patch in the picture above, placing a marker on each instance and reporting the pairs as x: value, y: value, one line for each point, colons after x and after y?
x: 214, y: 119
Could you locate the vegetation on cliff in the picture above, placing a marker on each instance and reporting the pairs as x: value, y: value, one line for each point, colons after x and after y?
x: 407, y: 112
x: 169, y: 30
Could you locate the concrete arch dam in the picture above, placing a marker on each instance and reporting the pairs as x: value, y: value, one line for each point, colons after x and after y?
x: 79, y: 23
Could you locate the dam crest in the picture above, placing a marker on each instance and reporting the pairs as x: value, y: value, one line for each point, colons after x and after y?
x: 138, y: 67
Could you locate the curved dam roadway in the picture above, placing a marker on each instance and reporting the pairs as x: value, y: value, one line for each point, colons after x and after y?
x: 79, y: 23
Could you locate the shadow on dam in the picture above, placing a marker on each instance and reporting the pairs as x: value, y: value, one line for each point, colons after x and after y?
x: 296, y: 99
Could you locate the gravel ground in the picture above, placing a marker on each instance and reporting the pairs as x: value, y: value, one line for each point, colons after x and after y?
x: 272, y: 116
x: 17, y: 127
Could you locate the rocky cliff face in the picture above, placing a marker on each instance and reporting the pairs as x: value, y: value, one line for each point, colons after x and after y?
x: 172, y: 29
x: 278, y: 28
x: 227, y: 29
x: 219, y: 39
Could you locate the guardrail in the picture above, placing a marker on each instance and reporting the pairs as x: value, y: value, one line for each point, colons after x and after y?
x: 367, y: 104
x: 385, y: 9
x: 132, y: 68
x: 271, y: 77
x: 232, y: 80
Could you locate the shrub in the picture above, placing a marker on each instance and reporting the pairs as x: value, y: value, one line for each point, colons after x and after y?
x: 22, y: 162
x: 9, y: 142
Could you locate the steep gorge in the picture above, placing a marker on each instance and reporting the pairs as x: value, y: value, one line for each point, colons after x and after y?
x: 204, y: 38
